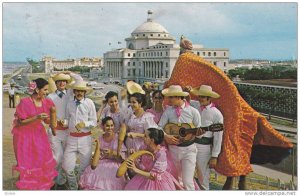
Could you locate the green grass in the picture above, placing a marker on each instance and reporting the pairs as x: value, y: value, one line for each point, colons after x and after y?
x: 283, y: 122
x: 218, y: 184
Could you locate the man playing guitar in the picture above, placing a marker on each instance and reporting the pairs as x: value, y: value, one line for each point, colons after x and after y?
x: 183, y: 151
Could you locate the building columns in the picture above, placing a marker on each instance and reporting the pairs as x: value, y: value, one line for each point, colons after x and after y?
x: 162, y: 69
x: 148, y: 66
x: 144, y: 70
x: 155, y: 69
x: 152, y: 70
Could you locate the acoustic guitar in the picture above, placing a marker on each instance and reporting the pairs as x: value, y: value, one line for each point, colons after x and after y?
x: 187, y: 132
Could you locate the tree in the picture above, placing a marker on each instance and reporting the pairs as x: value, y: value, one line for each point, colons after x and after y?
x: 240, y: 71
x: 266, y: 73
x: 258, y: 74
x: 289, y: 74
x: 35, y: 65
x: 277, y: 71
x: 80, y: 69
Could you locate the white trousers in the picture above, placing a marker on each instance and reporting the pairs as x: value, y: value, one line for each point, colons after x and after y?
x: 203, y: 157
x: 184, y: 159
x: 81, y: 146
x: 58, y: 144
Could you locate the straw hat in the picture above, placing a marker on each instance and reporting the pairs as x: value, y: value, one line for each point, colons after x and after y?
x: 61, y: 76
x: 82, y: 86
x: 205, y: 90
x: 174, y: 90
x: 149, y: 85
x: 133, y: 87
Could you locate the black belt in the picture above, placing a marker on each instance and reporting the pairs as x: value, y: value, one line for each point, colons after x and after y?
x: 204, y: 140
x: 187, y: 143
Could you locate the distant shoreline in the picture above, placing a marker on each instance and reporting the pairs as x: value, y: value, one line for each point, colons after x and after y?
x: 9, y: 68
x: 15, y: 62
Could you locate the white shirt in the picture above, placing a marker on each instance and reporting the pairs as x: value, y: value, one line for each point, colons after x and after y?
x: 84, y: 112
x: 188, y: 115
x: 211, y: 115
x: 61, y: 103
x: 11, y: 91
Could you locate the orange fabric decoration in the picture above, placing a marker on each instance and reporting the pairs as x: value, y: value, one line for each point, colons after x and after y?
x: 244, y: 127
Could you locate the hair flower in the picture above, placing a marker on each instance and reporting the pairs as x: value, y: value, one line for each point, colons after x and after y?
x: 31, y: 87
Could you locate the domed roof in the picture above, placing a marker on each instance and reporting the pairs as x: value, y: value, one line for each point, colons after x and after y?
x: 150, y: 27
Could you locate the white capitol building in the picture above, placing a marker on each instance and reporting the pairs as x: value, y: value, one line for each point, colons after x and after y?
x: 151, y: 53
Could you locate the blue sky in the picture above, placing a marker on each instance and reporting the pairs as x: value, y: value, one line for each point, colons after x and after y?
x: 71, y: 30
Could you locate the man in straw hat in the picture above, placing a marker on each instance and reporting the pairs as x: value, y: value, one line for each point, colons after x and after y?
x: 184, y: 154
x: 60, y: 98
x: 80, y: 118
x: 207, y: 155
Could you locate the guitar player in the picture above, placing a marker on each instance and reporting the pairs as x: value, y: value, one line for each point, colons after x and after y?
x: 183, y: 154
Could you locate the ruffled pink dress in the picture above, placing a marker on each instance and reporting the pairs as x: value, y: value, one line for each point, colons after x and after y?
x: 33, y: 153
x: 157, y: 115
x: 139, y: 125
x: 104, y: 176
x: 163, y: 180
x: 171, y: 167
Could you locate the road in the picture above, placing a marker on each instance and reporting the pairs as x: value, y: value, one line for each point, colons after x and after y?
x: 24, y: 80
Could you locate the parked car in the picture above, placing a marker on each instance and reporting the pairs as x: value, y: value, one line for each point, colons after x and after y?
x: 19, y: 77
x: 93, y: 83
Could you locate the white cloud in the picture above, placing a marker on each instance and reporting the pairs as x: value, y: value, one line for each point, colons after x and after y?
x: 82, y: 28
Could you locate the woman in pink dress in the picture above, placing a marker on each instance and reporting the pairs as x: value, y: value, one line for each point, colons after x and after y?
x: 157, y: 110
x: 104, y: 176
x: 113, y: 110
x: 138, y: 122
x: 152, y: 175
x: 157, y: 106
x: 31, y: 146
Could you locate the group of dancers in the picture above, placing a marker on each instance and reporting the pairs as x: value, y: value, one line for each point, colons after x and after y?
x: 47, y: 157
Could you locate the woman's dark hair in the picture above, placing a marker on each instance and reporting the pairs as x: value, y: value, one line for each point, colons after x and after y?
x: 107, y: 118
x: 110, y: 94
x: 40, y: 83
x: 157, y: 91
x: 157, y: 135
x: 141, y: 99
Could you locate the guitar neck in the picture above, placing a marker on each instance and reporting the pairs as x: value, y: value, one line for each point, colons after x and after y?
x: 205, y: 128
x: 183, y: 132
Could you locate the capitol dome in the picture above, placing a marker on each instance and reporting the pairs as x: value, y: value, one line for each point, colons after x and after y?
x: 148, y: 34
x: 150, y: 27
